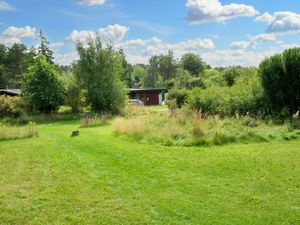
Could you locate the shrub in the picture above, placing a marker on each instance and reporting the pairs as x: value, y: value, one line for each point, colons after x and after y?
x: 243, y: 97
x: 10, y: 106
x: 180, y: 95
x: 75, y: 96
x: 230, y: 74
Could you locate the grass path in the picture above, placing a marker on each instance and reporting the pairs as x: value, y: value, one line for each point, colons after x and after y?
x: 97, y: 178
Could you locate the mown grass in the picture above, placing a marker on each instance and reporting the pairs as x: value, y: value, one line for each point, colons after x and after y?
x: 97, y: 178
x: 184, y: 128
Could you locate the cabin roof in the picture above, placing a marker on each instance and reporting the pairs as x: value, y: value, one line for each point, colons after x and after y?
x: 14, y: 92
x: 135, y: 90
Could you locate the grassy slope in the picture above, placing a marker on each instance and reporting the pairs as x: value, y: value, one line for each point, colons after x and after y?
x: 99, y: 179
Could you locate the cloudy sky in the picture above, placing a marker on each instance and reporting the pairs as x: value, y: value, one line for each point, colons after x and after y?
x: 223, y: 32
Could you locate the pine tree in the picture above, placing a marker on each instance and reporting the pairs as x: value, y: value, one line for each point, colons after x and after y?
x: 44, y: 48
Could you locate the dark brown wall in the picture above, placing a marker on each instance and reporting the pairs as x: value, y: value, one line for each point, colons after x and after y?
x: 149, y: 98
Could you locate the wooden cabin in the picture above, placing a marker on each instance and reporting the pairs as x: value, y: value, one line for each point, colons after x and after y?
x: 149, y: 96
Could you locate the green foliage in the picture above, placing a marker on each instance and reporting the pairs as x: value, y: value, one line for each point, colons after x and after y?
x: 75, y: 95
x: 230, y: 74
x: 161, y: 70
x: 180, y: 95
x: 183, y: 79
x: 98, y: 70
x: 44, y: 48
x: 14, y: 62
x: 280, y: 76
x: 10, y: 106
x: 138, y: 75
x: 244, y: 96
x: 43, y: 88
x: 212, y: 78
x: 192, y: 63
x: 125, y: 76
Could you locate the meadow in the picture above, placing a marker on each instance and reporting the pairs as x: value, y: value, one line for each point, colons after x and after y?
x: 100, y: 178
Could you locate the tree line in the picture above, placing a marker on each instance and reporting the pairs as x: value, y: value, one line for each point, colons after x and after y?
x: 99, y: 78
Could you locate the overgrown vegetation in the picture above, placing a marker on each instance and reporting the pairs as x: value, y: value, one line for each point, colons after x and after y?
x: 186, y: 128
x: 12, y: 132
x: 94, y: 120
x: 10, y: 106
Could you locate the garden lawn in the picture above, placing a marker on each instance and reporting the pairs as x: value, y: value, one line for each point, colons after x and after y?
x: 97, y: 178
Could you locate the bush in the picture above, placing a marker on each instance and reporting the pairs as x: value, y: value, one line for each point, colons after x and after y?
x: 243, y: 97
x: 180, y: 95
x: 10, y: 106
x: 75, y: 96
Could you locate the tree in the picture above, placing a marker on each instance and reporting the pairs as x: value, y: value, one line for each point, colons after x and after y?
x: 14, y: 62
x: 44, y: 48
x: 138, y: 74
x: 98, y: 70
x: 167, y: 66
x: 161, y: 69
x: 183, y: 79
x: 127, y: 70
x: 280, y: 76
x: 43, y: 89
x: 192, y: 63
x: 151, y: 78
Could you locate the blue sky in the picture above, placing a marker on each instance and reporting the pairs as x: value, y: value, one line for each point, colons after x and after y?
x: 223, y: 32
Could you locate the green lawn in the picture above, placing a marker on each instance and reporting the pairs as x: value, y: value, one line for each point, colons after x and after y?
x: 97, y: 178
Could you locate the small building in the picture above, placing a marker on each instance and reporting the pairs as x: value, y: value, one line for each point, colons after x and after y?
x: 149, y: 96
x: 10, y: 92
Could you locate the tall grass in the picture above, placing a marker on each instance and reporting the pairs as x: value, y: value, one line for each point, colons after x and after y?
x: 13, y: 132
x: 94, y: 120
x: 187, y: 128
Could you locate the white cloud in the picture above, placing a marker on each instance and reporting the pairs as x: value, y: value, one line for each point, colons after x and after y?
x: 57, y: 45
x: 139, y: 51
x: 281, y: 22
x: 251, y: 43
x: 20, y: 32
x: 14, y: 35
x: 113, y: 33
x: 67, y: 58
x: 4, y: 6
x: 205, y: 11
x: 91, y: 2
x: 235, y: 58
x: 266, y: 17
x: 9, y: 41
x: 81, y: 36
